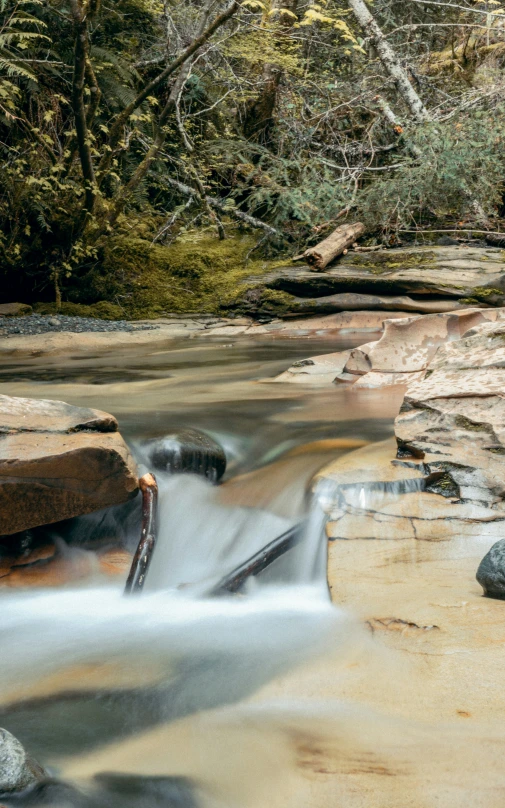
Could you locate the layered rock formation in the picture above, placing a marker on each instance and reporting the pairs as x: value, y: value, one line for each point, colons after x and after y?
x: 59, y: 461
x: 420, y: 279
x: 402, y: 355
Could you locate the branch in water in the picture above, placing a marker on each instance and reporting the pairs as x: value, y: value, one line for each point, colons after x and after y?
x: 144, y: 554
x: 260, y: 561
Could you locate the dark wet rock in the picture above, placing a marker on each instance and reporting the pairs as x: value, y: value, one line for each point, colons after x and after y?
x: 354, y: 301
x: 59, y: 461
x: 14, y: 309
x: 190, y: 451
x: 17, y: 770
x: 447, y: 241
x: 491, y: 572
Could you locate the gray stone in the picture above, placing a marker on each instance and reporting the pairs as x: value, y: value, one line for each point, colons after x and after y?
x: 491, y: 572
x: 17, y: 769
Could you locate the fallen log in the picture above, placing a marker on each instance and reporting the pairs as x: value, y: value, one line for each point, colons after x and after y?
x: 142, y: 559
x: 326, y: 251
x: 259, y: 561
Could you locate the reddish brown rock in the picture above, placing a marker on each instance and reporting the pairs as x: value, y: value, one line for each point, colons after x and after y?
x: 58, y: 461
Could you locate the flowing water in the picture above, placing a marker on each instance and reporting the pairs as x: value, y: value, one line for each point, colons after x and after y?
x: 175, y: 698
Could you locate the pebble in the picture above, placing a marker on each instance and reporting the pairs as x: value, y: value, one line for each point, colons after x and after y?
x: 43, y: 324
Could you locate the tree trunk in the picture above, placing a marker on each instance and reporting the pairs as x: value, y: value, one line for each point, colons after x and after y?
x: 160, y: 135
x: 322, y: 254
x: 259, y: 118
x: 390, y: 61
x: 81, y: 15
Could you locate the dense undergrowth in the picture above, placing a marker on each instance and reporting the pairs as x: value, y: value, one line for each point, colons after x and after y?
x: 115, y: 183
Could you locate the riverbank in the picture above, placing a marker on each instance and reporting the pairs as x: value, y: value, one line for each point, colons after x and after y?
x: 161, y: 332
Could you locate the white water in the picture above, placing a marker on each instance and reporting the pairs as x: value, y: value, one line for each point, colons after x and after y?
x: 113, y: 666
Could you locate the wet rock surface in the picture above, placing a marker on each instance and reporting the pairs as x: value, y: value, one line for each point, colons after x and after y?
x: 17, y: 770
x: 43, y: 324
x: 406, y: 350
x: 491, y: 571
x: 59, y: 461
x: 189, y: 451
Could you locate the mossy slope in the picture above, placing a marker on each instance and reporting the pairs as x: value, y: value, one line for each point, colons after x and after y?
x: 196, y: 274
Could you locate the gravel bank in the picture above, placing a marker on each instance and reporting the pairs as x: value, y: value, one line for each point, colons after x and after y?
x: 43, y: 324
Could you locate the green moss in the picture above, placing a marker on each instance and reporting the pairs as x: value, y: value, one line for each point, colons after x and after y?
x: 464, y: 423
x: 103, y: 310
x: 276, y: 302
x: 197, y: 273
x: 484, y: 292
x: 388, y: 260
x: 444, y: 486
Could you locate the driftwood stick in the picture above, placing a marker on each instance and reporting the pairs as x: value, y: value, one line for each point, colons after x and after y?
x: 338, y: 242
x: 144, y: 553
x: 260, y: 561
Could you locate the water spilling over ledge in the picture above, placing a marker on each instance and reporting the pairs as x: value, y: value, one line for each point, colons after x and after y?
x: 273, y: 694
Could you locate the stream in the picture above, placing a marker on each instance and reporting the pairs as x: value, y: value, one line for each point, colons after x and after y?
x: 174, y: 698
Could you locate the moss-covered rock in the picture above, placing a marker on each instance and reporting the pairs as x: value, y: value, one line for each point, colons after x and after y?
x: 197, y: 273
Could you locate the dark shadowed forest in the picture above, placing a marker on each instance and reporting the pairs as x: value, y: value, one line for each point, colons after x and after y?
x: 153, y: 154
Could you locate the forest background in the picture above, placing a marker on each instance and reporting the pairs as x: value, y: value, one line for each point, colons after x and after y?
x: 154, y: 153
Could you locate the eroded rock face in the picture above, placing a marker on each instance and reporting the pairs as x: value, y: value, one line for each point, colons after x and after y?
x: 58, y: 461
x: 406, y: 349
x: 372, y: 494
x: 454, y: 418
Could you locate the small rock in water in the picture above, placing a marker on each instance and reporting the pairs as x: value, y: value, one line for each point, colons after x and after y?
x: 17, y: 769
x: 189, y: 451
x: 491, y: 572
x: 54, y: 321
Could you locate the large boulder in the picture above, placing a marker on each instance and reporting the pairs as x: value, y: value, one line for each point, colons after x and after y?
x: 59, y: 461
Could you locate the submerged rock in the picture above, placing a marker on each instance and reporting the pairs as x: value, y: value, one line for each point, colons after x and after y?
x: 17, y: 769
x: 491, y: 572
x: 59, y: 461
x: 190, y: 451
